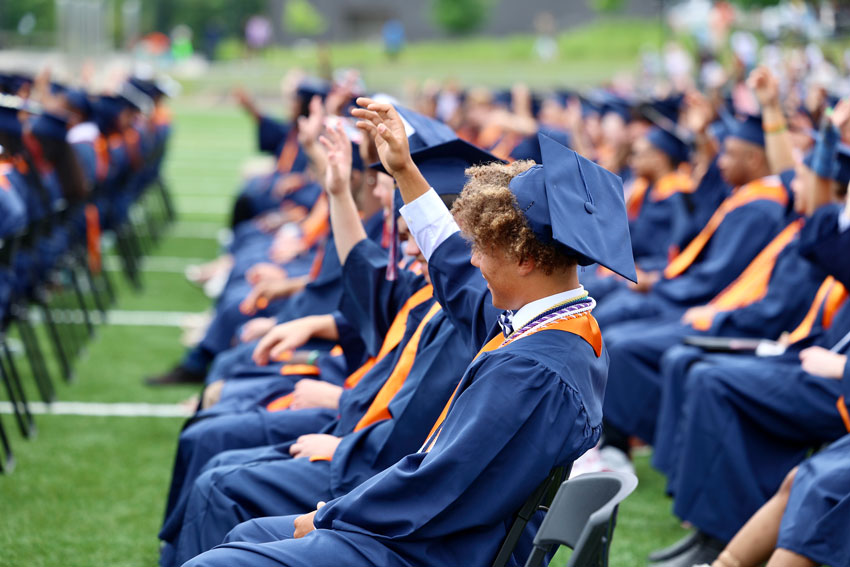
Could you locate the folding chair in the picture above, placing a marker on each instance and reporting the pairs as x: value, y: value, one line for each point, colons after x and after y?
x: 537, y: 501
x: 7, y: 458
x: 582, y: 517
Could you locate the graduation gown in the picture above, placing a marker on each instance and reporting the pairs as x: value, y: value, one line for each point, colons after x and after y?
x: 744, y: 425
x: 815, y: 523
x: 632, y: 399
x: 519, y: 411
x: 739, y: 237
x: 371, y: 304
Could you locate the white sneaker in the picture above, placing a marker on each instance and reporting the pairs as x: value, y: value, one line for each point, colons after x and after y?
x: 614, y: 460
x: 589, y: 462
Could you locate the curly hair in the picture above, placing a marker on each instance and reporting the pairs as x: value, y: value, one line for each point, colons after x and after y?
x: 489, y: 216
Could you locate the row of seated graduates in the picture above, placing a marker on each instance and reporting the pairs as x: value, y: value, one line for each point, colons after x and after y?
x: 750, y: 262
x: 72, y: 166
x: 234, y: 381
x: 689, y: 191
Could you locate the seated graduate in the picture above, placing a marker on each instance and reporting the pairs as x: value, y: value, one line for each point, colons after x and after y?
x: 746, y: 421
x: 533, y: 393
x: 738, y: 230
x: 805, y: 522
x: 385, y: 415
x: 769, y: 298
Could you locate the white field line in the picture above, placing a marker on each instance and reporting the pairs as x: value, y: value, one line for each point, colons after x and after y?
x: 165, y: 264
x: 103, y: 410
x: 136, y: 318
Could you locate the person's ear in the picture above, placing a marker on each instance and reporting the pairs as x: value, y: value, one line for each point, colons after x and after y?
x: 525, y: 266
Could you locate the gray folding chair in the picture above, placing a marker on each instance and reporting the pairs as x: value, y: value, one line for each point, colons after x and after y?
x: 582, y: 516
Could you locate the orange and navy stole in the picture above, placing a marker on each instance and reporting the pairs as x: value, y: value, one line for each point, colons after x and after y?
x: 767, y: 188
x: 288, y: 153
x: 828, y: 300
x: 391, y: 340
x: 665, y: 187
x: 751, y: 285
x: 579, y: 322
x: 379, y: 408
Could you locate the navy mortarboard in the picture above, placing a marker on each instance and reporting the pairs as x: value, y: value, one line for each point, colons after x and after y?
x: 578, y: 204
x: 669, y: 143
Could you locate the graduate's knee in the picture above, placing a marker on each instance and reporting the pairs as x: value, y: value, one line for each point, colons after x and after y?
x: 785, y: 488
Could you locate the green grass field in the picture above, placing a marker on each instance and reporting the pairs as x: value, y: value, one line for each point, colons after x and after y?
x: 90, y: 490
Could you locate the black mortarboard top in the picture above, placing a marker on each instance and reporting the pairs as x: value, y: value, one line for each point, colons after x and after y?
x: 669, y: 143
x: 50, y: 126
x: 838, y: 170
x: 668, y: 107
x: 10, y: 106
x: 106, y: 110
x: 748, y: 128
x: 444, y: 165
x: 611, y: 102
x: 529, y: 148
x: 311, y: 86
x: 424, y: 130
x: 79, y: 99
x: 578, y: 204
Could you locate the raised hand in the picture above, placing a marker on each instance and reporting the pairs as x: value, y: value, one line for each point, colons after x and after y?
x: 765, y: 86
x: 383, y: 122
x: 338, y: 147
x: 841, y: 115
x: 310, y: 126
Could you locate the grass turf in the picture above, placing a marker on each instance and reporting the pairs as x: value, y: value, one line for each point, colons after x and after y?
x: 90, y: 490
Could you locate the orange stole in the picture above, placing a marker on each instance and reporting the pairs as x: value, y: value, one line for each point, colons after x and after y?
x: 379, y: 408
x: 584, y: 326
x: 391, y: 340
x: 751, y: 285
x: 101, y: 156
x: 5, y: 168
x: 665, y: 187
x: 317, y: 223
x: 761, y: 189
x: 289, y: 152
x: 829, y: 298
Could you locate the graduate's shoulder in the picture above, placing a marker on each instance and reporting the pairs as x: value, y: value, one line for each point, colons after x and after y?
x: 559, y: 352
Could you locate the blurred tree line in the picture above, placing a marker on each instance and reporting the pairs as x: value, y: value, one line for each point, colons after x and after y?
x: 226, y: 17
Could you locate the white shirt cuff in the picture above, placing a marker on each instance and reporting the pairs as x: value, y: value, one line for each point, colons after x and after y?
x: 844, y: 219
x: 429, y: 221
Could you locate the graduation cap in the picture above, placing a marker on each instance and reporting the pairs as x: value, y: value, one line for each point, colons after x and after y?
x: 571, y: 201
x: 79, y: 100
x: 106, y: 110
x: 12, y: 82
x: 748, y: 128
x: 136, y: 98
x: 610, y: 102
x: 529, y: 148
x: 668, y: 107
x: 49, y: 126
x: 669, y: 143
x: 424, y: 131
x: 837, y: 169
x: 10, y: 106
x: 310, y: 87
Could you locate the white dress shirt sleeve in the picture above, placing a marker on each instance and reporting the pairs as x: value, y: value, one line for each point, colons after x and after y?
x: 844, y: 219
x: 429, y: 221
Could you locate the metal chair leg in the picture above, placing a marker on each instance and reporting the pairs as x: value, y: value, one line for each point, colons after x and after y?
x: 15, y: 391
x: 34, y: 355
x: 7, y: 459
